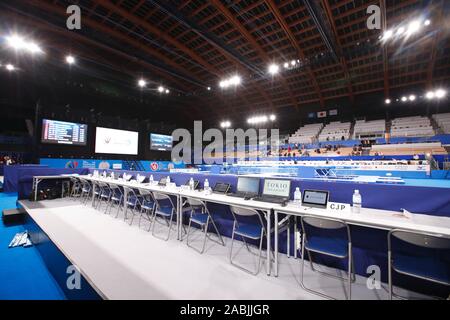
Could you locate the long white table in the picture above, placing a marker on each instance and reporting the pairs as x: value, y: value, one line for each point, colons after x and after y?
x: 371, y: 218
x: 39, y: 179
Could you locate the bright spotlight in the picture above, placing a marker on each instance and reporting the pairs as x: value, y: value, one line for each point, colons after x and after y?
x: 34, y: 48
x: 440, y: 93
x: 286, y: 65
x: 167, y: 91
x: 16, y: 42
x: 236, y: 80
x: 70, y: 59
x: 404, y: 99
x: 209, y: 88
x: 273, y: 69
x: 161, y: 89
x: 293, y: 62
x: 412, y: 97
x: 142, y: 83
x: 388, y: 34
x: 414, y: 26
x: 400, y: 31
x: 427, y: 22
x: 10, y: 67
x: 19, y: 43
x: 388, y: 101
x: 430, y: 95
x: 273, y: 117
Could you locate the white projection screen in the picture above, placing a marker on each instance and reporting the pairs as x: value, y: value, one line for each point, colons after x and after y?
x: 115, y: 141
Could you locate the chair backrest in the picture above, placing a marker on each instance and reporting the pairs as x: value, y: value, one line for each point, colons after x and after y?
x: 241, y: 211
x: 323, y: 223
x: 195, y: 203
x: 144, y: 192
x: 162, y: 198
x: 425, y: 240
x: 335, y: 228
x: 140, y: 178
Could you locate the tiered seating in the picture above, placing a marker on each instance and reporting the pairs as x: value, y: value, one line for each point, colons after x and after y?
x: 443, y: 120
x: 335, y: 130
x: 364, y: 129
x: 306, y: 134
x: 411, y: 127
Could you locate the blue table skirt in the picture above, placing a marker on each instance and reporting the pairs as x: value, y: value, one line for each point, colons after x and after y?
x: 11, y: 176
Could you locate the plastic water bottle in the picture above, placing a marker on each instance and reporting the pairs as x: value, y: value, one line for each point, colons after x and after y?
x: 151, y: 179
x: 167, y: 180
x: 112, y: 175
x: 357, y: 202
x: 191, y: 184
x: 297, y: 196
x: 206, y: 185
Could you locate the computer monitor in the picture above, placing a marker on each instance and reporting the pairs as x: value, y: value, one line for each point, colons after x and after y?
x: 315, y: 198
x: 248, y: 185
x: 277, y: 187
x: 221, y: 187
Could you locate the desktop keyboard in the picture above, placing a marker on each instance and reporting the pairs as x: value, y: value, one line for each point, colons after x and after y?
x: 271, y: 199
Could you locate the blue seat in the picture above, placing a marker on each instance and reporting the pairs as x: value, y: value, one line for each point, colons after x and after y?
x: 330, y: 237
x: 199, y: 218
x: 424, y: 267
x: 418, y: 255
x: 331, y: 246
x: 252, y: 231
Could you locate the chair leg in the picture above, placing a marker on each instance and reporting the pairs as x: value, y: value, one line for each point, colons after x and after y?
x: 390, y: 274
x: 350, y: 264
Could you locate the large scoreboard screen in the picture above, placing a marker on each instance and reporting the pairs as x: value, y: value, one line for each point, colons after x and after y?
x: 160, y: 142
x: 61, y: 132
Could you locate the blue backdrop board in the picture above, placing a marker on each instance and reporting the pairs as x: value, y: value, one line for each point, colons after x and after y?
x: 11, y: 176
x: 149, y: 166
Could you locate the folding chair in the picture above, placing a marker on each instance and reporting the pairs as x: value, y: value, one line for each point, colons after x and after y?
x: 133, y: 201
x: 201, y: 216
x: 419, y: 255
x: 334, y: 242
x: 165, y: 209
x: 248, y: 230
x: 147, y: 207
x: 115, y: 199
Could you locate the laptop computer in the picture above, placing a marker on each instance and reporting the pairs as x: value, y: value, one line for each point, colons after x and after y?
x: 221, y: 187
x: 247, y: 187
x: 162, y: 182
x: 315, y: 198
x: 275, y: 191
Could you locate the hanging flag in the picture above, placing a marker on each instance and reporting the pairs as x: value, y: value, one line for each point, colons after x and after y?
x: 321, y: 114
x: 333, y: 112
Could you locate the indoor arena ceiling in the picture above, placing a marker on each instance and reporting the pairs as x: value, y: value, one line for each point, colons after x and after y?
x: 324, y: 48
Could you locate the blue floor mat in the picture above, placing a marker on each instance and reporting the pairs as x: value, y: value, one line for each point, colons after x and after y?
x: 23, y: 274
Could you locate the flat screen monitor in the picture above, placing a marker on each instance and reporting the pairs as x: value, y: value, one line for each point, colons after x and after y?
x: 248, y: 185
x: 315, y: 198
x: 61, y: 132
x: 160, y: 142
x: 277, y: 187
x: 113, y: 141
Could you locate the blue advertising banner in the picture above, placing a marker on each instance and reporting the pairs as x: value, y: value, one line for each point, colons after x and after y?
x: 151, y: 166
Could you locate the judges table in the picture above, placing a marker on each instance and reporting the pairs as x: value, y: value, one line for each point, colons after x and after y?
x: 371, y: 218
x: 38, y: 179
